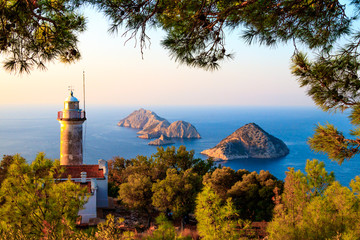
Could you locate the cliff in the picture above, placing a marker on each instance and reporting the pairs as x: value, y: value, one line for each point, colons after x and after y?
x: 249, y: 141
x: 152, y: 126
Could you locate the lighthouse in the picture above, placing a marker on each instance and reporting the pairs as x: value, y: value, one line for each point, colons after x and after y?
x: 71, y: 119
x: 92, y: 176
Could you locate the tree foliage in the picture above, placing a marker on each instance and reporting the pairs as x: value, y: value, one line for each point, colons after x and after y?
x: 216, y: 218
x: 195, y: 30
x: 315, y: 206
x: 169, y: 179
x: 5, y: 163
x: 182, y: 160
x: 109, y: 230
x: 34, y: 32
x: 332, y: 81
x: 177, y: 192
x: 34, y: 205
x: 136, y: 193
x: 252, y: 193
x: 222, y: 179
x: 165, y: 230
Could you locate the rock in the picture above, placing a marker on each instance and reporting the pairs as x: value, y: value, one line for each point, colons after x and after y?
x: 152, y: 126
x: 149, y: 136
x: 142, y: 119
x: 249, y: 141
x: 155, y: 130
x: 182, y: 129
x: 161, y: 141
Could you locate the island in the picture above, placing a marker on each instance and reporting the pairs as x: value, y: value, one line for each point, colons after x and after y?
x: 152, y: 126
x: 249, y: 141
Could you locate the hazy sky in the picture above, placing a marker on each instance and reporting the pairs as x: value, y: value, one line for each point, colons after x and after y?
x: 116, y: 74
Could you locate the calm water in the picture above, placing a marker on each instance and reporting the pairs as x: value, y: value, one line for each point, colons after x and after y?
x: 32, y: 129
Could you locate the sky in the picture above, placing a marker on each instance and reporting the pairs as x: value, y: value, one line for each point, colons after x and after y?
x: 116, y: 74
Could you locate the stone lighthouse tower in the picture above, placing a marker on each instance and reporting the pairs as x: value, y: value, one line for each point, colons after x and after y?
x: 71, y: 119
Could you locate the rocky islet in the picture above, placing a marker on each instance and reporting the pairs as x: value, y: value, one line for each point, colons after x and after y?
x: 152, y: 126
x: 249, y: 141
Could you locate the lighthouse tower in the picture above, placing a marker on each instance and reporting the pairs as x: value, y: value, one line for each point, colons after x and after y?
x: 71, y: 119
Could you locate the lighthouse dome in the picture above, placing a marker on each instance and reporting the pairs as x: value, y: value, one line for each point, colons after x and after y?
x: 71, y: 98
x: 71, y: 102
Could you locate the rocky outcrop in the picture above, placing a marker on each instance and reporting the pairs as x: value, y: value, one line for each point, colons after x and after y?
x: 162, y: 140
x: 154, y: 130
x: 142, y: 119
x: 249, y: 141
x: 182, y: 129
x: 153, y: 126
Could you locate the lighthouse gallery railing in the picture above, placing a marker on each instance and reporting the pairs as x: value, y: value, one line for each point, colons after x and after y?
x: 73, y: 115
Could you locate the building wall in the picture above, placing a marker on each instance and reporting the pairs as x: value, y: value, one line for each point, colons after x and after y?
x: 102, y: 196
x: 89, y: 210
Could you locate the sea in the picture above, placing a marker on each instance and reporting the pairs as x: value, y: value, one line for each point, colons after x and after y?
x: 27, y: 130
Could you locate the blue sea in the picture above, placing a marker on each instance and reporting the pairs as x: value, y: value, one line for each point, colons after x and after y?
x: 32, y: 129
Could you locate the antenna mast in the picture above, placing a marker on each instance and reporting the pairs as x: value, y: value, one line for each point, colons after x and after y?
x: 84, y: 152
x: 84, y: 88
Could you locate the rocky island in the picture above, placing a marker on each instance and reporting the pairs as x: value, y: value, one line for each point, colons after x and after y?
x: 249, y: 141
x: 152, y: 126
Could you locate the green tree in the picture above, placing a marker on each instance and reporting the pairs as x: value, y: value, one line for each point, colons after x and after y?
x: 216, y: 218
x: 196, y: 30
x: 32, y: 32
x: 177, y: 192
x: 165, y: 230
x: 314, y: 206
x: 182, y: 160
x: 117, y: 176
x: 170, y: 178
x: 154, y: 168
x: 252, y: 194
x: 332, y: 82
x: 116, y: 167
x: 222, y: 179
x: 136, y: 193
x: 120, y: 168
x: 4, y: 166
x: 34, y: 204
x: 109, y: 230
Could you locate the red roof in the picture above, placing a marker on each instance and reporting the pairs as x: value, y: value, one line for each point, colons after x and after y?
x: 92, y: 171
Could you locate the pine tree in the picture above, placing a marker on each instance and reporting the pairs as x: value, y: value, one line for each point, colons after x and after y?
x: 177, y: 192
x: 196, y: 30
x: 332, y: 82
x: 4, y: 166
x: 35, y: 32
x: 109, y: 230
x: 315, y: 206
x: 216, y: 218
x: 34, y: 205
x: 165, y: 230
x: 252, y: 193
